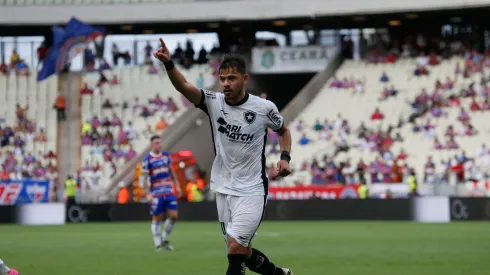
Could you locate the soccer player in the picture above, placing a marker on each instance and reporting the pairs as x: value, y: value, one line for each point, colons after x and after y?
x: 239, y: 127
x: 158, y: 169
x: 5, y: 270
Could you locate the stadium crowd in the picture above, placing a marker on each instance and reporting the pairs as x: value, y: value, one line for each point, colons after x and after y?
x: 111, y: 137
x: 390, y: 166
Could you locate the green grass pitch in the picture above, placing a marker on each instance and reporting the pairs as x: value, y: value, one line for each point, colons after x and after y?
x: 309, y: 248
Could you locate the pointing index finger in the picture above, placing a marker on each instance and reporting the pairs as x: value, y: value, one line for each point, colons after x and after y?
x: 162, y: 43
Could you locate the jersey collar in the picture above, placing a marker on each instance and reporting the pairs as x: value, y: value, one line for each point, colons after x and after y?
x: 244, y: 99
x: 155, y: 155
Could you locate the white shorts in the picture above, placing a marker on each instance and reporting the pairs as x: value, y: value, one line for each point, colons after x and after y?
x: 240, y: 217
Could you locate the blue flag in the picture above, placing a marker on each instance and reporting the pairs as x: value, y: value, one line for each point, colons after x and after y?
x: 67, y: 43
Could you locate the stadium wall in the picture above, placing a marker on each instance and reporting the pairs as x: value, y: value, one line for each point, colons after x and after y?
x: 423, y: 209
x: 212, y: 11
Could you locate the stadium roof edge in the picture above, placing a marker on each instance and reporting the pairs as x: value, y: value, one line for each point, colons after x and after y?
x: 214, y: 11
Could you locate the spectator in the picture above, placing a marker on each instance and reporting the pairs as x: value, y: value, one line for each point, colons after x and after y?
x: 148, y: 132
x: 429, y: 170
x: 116, y: 121
x: 463, y: 115
x: 172, y: 107
x: 107, y: 104
x: 396, y: 172
x: 335, y: 83
x: 451, y: 144
x: 114, y: 80
x: 3, y: 68
x: 41, y: 136
x: 148, y: 53
x: 103, y: 66
x: 304, y: 140
x: 420, y: 70
x: 178, y: 54
x: 437, y: 144
x: 348, y: 172
x: 449, y: 84
x: 86, y: 90
x: 318, y: 126
x: 102, y: 80
x: 21, y: 115
x: 161, y: 125
x: 106, y: 123
x: 474, y: 105
x: 429, y: 129
x: 95, y: 122
x: 482, y: 150
x: 433, y: 60
x: 115, y: 54
x: 203, y: 56
x: 359, y: 87
x: 86, y: 127
x: 422, y: 60
x: 384, y: 78
x: 398, y: 137
x: 130, y: 154
x: 129, y: 129
x: 14, y: 58
x: 403, y: 155
x: 21, y: 68
x: 377, y: 115
x: 4, y: 174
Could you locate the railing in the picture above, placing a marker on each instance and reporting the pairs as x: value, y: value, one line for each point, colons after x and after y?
x: 93, y: 2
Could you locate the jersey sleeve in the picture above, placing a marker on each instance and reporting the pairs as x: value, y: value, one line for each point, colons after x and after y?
x: 144, y: 165
x: 169, y: 158
x: 274, y: 119
x: 208, y: 99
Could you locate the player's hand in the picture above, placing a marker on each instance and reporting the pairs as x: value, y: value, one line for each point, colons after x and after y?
x: 149, y: 198
x: 283, y: 169
x: 162, y: 53
x: 179, y: 193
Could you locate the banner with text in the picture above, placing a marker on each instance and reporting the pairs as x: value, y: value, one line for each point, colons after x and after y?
x: 314, y: 191
x: 24, y: 191
x: 307, y: 59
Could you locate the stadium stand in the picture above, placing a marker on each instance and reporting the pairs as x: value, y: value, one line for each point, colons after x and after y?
x: 122, y: 113
x: 340, y: 136
x: 28, y: 126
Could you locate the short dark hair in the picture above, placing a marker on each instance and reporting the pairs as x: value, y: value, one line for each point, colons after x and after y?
x: 234, y: 61
x: 154, y: 137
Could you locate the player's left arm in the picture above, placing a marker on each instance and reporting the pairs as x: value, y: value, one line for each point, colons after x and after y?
x: 174, y: 178
x: 275, y: 121
x: 176, y: 182
x: 284, y: 135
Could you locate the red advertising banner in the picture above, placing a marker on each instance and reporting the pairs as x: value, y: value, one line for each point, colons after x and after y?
x: 318, y: 191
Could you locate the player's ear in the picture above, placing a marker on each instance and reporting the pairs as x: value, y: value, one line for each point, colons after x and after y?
x: 245, y: 78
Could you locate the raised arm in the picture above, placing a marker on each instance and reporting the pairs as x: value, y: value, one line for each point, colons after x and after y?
x: 191, y: 92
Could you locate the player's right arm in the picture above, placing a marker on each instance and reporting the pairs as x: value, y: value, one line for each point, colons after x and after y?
x: 191, y: 92
x: 145, y: 179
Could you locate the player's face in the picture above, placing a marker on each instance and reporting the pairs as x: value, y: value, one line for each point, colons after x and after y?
x: 232, y: 84
x: 156, y: 145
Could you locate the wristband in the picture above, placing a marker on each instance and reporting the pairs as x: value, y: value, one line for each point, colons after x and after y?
x: 285, y: 156
x: 169, y: 65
